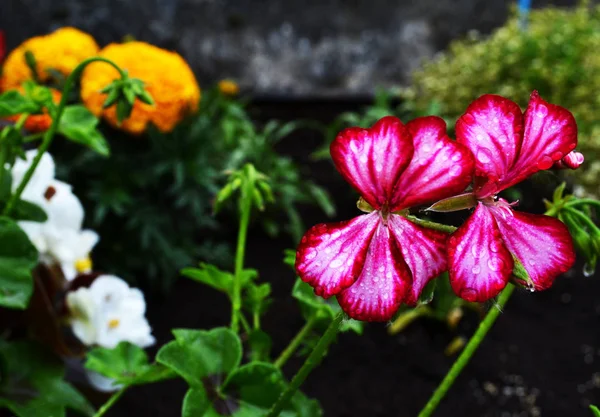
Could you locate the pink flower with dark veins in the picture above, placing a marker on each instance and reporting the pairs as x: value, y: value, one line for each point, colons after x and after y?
x: 509, y: 146
x: 378, y: 260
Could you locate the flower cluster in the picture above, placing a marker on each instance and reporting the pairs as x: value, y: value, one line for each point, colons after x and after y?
x: 108, y: 311
x: 378, y: 260
x: 60, y: 51
x: 166, y: 76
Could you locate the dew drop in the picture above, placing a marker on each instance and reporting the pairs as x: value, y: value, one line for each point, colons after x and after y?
x: 336, y: 234
x: 328, y: 250
x: 495, y: 246
x: 363, y: 159
x: 381, y: 268
x: 456, y: 157
x: 476, y: 269
x: 588, y: 270
x: 468, y: 119
x: 531, y: 262
x: 378, y: 167
x: 542, y: 111
x: 475, y: 252
x: 354, y: 146
x: 484, y: 156
x: 389, y: 275
x: 455, y: 171
x: 325, y: 237
x: 502, y: 138
x: 468, y: 294
x: 557, y: 155
x: 311, y: 255
x: 495, y: 264
x: 336, y: 263
x: 545, y: 163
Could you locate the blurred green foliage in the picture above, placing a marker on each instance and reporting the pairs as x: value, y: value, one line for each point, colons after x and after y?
x: 556, y: 54
x: 152, y: 201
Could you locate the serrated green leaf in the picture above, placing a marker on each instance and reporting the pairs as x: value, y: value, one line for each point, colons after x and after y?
x: 198, y: 354
x: 260, y: 344
x: 306, y: 407
x: 258, y: 383
x: 78, y: 124
x: 18, y: 257
x: 216, y: 278
x: 35, y: 385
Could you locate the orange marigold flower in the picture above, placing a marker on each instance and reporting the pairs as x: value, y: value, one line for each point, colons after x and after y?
x: 229, y: 87
x: 61, y: 51
x: 167, y: 77
x: 38, y: 123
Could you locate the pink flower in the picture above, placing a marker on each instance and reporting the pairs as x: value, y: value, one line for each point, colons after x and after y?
x: 509, y: 147
x: 376, y: 261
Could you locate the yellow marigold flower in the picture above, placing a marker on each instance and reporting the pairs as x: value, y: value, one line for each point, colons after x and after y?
x: 61, y: 51
x: 167, y: 78
x: 229, y: 87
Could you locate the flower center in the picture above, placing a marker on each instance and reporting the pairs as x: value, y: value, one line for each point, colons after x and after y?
x: 499, y: 205
x: 83, y: 265
x: 113, y: 324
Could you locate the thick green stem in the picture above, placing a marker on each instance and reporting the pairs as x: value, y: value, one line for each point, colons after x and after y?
x: 236, y: 302
x: 295, y: 343
x: 111, y: 401
x: 311, y: 362
x: 584, y: 202
x: 432, y: 225
x: 50, y: 133
x: 467, y: 353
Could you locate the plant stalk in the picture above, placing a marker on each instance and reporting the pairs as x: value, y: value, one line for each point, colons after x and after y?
x: 311, y: 362
x: 295, y: 343
x: 236, y: 302
x: 111, y: 401
x: 467, y: 353
x: 51, y: 132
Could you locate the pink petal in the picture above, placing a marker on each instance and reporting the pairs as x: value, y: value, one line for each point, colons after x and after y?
x: 479, y: 264
x: 423, y: 250
x: 383, y: 284
x: 541, y: 243
x: 492, y: 129
x: 331, y: 256
x: 439, y: 167
x: 371, y: 160
x: 550, y: 134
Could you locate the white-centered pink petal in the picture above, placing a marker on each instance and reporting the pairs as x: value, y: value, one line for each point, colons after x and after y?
x: 440, y: 167
x: 371, y: 160
x: 383, y: 284
x: 423, y: 250
x: 331, y: 256
x: 541, y: 243
x: 479, y: 264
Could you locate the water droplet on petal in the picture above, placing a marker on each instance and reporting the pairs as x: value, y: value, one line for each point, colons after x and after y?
x: 588, y: 270
x: 484, y: 155
x: 336, y: 263
x: 542, y: 111
x: 363, y: 159
x: 495, y: 264
x: 327, y: 250
x: 475, y: 251
x: 557, y: 155
x: 354, y: 146
x: 378, y: 167
x: 336, y: 234
x: 545, y: 163
x: 468, y: 294
x: 476, y: 269
x: 311, y: 255
x: 502, y: 138
x: 531, y: 262
x: 468, y: 119
x: 495, y: 246
x: 381, y: 268
x: 456, y: 157
x: 455, y: 171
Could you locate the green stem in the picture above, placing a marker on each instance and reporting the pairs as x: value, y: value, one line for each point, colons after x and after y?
x: 467, y: 353
x: 111, y: 401
x: 50, y: 133
x: 311, y: 362
x: 295, y: 343
x: 432, y: 225
x: 245, y: 323
x: 236, y: 302
x: 256, y: 320
x: 582, y: 218
x: 583, y: 201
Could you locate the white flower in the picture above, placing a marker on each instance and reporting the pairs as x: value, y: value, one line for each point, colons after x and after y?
x: 101, y: 382
x: 39, y: 181
x: 109, y: 312
x: 60, y: 238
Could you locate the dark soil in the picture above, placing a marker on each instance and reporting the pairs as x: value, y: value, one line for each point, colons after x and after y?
x: 542, y: 357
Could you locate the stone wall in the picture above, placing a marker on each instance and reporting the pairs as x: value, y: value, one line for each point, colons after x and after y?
x: 275, y: 47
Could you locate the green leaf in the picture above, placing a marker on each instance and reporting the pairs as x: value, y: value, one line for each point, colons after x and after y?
x: 427, y: 294
x: 306, y: 407
x: 123, y: 109
x: 35, y: 385
x: 18, y: 257
x: 195, y: 403
x: 25, y: 210
x: 31, y: 64
x: 595, y: 410
x: 198, y: 354
x: 258, y: 383
x: 216, y: 278
x: 78, y: 124
x: 257, y: 297
x: 12, y: 102
x: 127, y: 364
x: 260, y: 345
